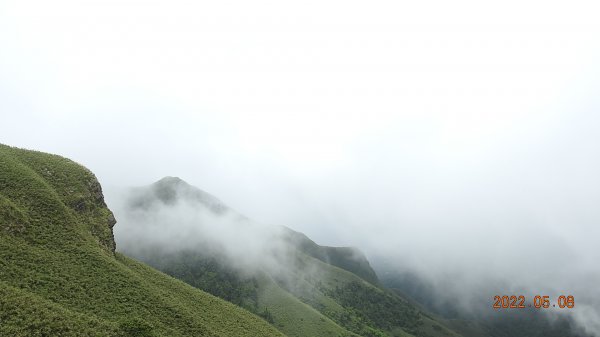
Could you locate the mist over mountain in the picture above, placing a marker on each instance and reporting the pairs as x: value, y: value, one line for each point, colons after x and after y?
x: 485, y: 320
x: 445, y: 149
x: 171, y: 217
x: 171, y: 214
x: 302, y: 288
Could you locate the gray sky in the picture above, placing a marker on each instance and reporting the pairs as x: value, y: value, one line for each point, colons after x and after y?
x: 456, y: 136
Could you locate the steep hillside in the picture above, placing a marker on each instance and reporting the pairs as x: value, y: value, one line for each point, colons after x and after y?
x: 348, y: 258
x: 301, y: 288
x: 60, y: 276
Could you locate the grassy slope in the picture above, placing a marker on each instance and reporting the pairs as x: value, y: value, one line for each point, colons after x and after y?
x: 294, y: 318
x: 60, y: 277
x: 318, y: 284
x: 365, y: 313
x: 309, y: 306
x: 287, y: 312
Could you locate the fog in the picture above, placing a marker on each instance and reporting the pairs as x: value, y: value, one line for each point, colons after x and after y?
x: 456, y: 140
x: 189, y: 220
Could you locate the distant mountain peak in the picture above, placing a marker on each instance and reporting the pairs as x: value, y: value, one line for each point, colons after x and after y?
x: 170, y: 190
x: 170, y: 184
x: 168, y: 180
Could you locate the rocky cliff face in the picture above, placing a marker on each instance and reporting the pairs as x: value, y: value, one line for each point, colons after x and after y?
x: 39, y: 190
x: 104, y: 217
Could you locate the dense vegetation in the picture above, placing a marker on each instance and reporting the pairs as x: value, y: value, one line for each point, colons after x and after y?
x: 347, y: 258
x: 373, y: 308
x: 59, y: 275
x: 208, y: 273
x: 257, y: 293
x: 314, y: 291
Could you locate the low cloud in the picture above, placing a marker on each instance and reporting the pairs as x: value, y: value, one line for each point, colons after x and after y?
x: 171, y: 216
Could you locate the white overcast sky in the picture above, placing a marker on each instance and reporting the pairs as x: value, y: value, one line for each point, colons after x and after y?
x: 432, y: 130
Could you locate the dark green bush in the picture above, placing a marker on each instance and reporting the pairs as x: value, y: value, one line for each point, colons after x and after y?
x: 136, y: 327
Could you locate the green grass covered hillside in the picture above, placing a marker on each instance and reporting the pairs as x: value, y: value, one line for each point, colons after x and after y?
x: 60, y: 276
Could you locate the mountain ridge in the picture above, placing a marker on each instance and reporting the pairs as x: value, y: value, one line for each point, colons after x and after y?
x: 300, y: 287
